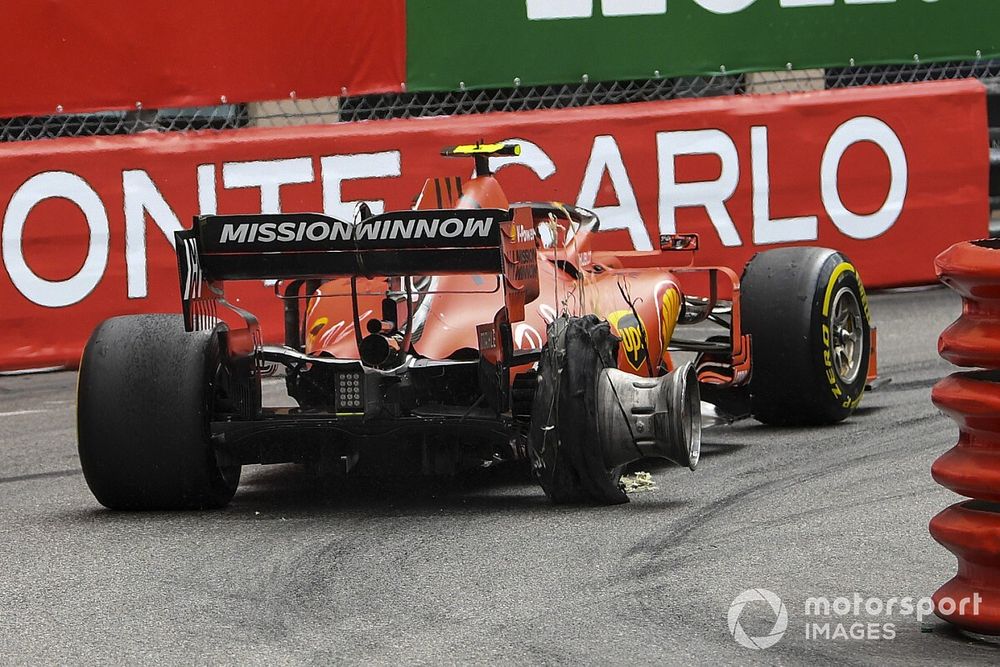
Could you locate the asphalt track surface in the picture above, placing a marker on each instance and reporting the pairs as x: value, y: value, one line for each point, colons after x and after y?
x: 484, y: 570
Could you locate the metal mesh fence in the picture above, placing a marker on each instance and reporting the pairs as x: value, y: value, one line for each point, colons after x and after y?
x: 23, y: 128
x: 516, y: 98
x: 527, y: 98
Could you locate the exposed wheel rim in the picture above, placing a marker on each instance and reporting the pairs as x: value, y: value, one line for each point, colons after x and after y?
x: 846, y: 335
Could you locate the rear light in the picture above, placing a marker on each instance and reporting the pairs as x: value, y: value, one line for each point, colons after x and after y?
x: 350, y: 392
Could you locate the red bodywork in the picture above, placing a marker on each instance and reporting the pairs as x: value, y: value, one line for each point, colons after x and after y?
x: 631, y: 290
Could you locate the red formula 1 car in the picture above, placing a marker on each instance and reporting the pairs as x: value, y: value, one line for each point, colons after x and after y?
x: 466, y: 331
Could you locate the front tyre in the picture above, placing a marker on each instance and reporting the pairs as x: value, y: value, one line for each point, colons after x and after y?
x: 807, y: 314
x: 146, y: 393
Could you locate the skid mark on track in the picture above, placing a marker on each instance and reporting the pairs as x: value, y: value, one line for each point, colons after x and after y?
x: 670, y: 548
x: 40, y: 475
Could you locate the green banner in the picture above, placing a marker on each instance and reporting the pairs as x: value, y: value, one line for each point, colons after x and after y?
x: 492, y: 43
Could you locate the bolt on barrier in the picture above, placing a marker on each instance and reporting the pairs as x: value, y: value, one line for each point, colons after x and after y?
x: 971, y: 529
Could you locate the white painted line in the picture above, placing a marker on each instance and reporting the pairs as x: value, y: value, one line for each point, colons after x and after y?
x: 31, y: 371
x: 20, y: 412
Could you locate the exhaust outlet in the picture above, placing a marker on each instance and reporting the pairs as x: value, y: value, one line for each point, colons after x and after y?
x: 379, y: 351
x: 641, y: 417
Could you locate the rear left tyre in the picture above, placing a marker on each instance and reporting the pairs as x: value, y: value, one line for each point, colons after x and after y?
x: 146, y: 393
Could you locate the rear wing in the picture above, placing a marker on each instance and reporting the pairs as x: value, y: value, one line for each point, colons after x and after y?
x: 311, y: 246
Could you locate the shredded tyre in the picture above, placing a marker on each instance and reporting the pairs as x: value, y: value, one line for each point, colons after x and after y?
x: 563, y: 440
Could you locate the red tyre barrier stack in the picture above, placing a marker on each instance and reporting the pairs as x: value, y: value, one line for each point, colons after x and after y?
x: 971, y: 529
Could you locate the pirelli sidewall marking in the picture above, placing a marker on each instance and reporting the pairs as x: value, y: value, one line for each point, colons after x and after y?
x: 841, y: 272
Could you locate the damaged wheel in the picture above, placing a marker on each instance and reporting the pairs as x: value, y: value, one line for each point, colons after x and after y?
x: 563, y: 441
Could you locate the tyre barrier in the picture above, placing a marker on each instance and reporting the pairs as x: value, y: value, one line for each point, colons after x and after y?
x: 971, y: 529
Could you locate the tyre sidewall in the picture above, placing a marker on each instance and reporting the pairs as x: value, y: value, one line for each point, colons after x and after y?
x: 564, y: 439
x: 842, y: 398
x: 145, y: 397
x: 551, y: 464
x: 787, y: 295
